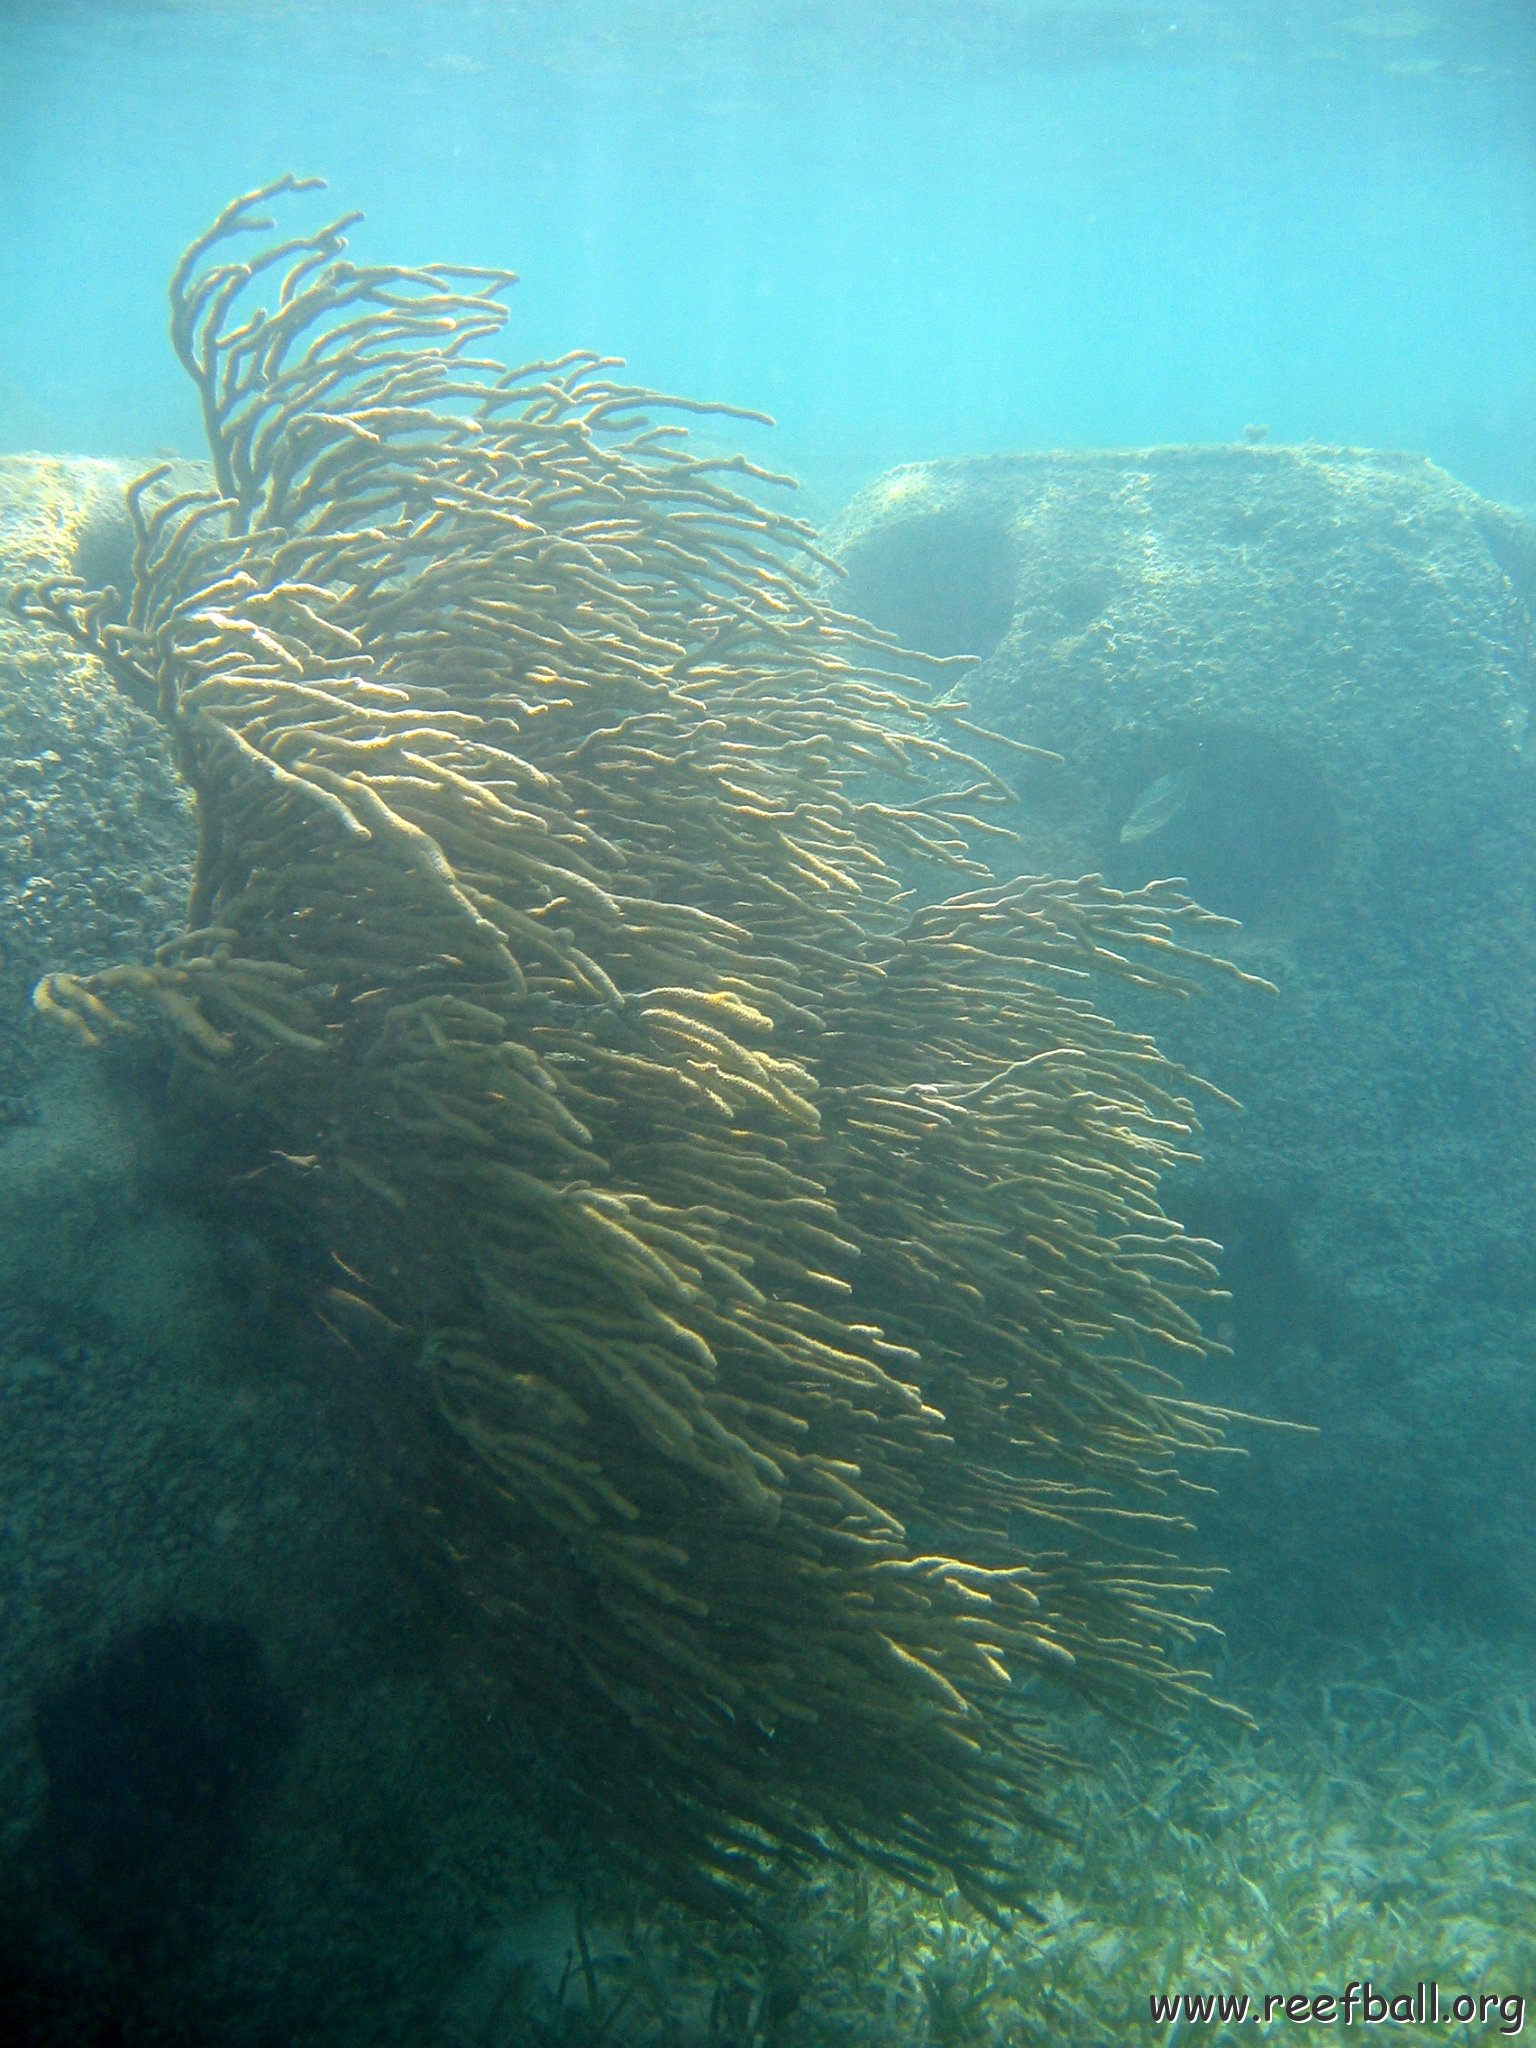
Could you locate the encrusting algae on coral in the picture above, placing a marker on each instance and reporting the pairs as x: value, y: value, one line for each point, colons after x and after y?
x: 780, y: 1243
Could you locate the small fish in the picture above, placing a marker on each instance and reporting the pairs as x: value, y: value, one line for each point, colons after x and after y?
x: 1157, y: 806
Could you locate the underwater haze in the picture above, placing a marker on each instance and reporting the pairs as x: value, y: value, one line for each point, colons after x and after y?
x: 907, y: 228
x: 767, y: 1023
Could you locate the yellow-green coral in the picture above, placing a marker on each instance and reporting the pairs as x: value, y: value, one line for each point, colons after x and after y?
x: 780, y: 1245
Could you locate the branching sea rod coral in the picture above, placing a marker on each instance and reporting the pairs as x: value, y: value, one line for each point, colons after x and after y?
x: 780, y: 1245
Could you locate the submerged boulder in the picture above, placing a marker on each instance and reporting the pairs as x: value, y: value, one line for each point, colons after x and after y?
x: 1302, y: 678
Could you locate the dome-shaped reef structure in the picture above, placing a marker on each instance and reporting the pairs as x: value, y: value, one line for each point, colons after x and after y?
x: 757, y: 1216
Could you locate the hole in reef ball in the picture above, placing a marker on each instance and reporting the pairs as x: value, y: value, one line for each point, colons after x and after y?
x: 1243, y: 817
x: 151, y: 1752
x: 1081, y: 599
x: 104, y: 554
x: 942, y: 582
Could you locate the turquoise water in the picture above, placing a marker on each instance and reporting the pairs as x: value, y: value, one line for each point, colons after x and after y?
x: 907, y: 229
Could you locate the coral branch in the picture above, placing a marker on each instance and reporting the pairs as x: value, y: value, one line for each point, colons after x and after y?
x: 751, y: 1201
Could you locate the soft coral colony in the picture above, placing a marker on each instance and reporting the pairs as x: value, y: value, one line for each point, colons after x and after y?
x: 760, y: 1218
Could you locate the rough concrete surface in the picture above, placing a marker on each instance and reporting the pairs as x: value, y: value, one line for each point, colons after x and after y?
x: 1304, y: 679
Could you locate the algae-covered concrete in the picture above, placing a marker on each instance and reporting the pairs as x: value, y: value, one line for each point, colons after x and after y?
x: 1304, y: 679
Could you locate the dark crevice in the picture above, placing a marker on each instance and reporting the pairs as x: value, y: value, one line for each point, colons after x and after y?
x: 942, y: 582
